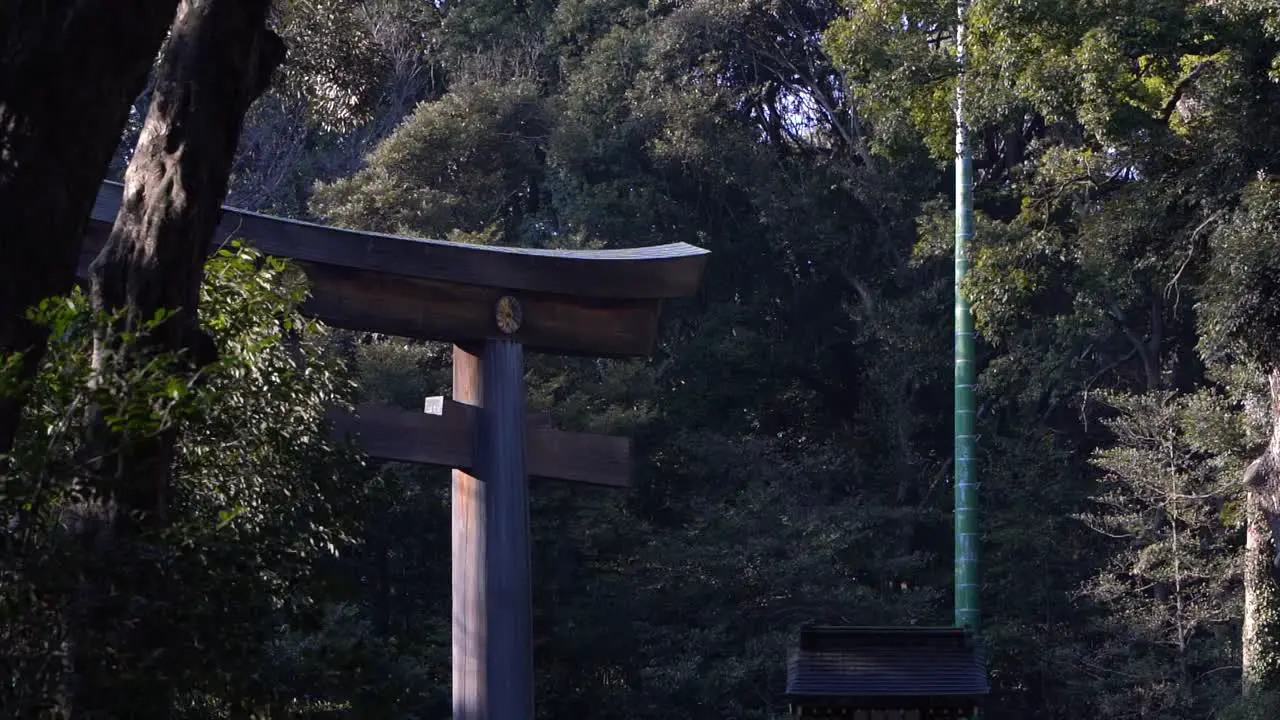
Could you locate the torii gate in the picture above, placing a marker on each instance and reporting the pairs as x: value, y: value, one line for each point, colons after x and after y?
x: 491, y: 303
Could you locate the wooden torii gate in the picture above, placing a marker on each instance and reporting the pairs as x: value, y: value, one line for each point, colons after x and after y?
x: 492, y: 303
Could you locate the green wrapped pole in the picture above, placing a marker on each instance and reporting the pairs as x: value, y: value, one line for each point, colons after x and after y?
x: 966, y: 484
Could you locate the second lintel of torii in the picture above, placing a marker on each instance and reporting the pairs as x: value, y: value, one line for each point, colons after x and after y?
x: 443, y: 435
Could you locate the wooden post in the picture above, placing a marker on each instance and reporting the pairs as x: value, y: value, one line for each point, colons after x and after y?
x: 470, y: 630
x: 492, y: 592
x: 501, y: 464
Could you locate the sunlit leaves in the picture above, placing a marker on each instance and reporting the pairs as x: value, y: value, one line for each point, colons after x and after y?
x: 1241, y: 308
x: 1171, y: 588
x: 899, y: 61
x: 334, y: 65
x: 462, y: 163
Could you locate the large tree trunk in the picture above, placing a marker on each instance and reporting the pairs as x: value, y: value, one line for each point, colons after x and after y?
x: 69, y: 72
x: 1261, y: 630
x: 219, y: 58
x: 1260, y: 634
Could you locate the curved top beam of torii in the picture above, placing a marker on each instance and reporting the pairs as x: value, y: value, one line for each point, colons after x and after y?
x: 592, y: 302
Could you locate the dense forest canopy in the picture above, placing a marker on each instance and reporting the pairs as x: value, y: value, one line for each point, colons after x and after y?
x: 793, y: 427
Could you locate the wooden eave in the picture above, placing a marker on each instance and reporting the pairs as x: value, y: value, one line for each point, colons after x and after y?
x: 871, y: 666
x: 602, y: 303
x: 888, y: 702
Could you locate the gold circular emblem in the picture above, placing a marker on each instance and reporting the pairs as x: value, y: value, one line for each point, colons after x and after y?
x: 508, y: 314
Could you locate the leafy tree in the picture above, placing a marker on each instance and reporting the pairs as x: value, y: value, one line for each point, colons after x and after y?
x: 1172, y: 589
x: 465, y: 164
x: 262, y: 501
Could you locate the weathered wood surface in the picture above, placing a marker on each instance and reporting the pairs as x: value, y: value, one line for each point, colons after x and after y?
x: 602, y: 303
x: 433, y: 310
x: 470, y: 560
x: 442, y: 436
x: 508, y: 582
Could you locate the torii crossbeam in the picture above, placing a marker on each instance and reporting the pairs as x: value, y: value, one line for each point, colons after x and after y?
x: 491, y: 303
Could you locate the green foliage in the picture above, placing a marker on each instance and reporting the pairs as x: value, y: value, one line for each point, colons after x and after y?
x: 340, y: 662
x: 899, y: 59
x: 816, y: 361
x: 464, y: 163
x: 263, y: 500
x: 335, y: 65
x: 44, y: 500
x: 1171, y: 589
x: 1255, y: 707
x: 1239, y: 312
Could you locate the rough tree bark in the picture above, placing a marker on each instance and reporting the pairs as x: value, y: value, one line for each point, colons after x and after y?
x: 1261, y: 630
x: 219, y: 58
x: 69, y: 72
x: 1262, y: 479
x: 1260, y: 633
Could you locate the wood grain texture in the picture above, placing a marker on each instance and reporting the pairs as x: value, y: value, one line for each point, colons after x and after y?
x: 662, y: 271
x: 501, y: 466
x: 469, y: 559
x: 434, y: 310
x: 442, y: 436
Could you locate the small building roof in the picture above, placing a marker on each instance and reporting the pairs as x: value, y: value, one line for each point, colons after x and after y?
x: 905, y: 667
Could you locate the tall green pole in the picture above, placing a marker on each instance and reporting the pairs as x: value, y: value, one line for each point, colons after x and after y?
x: 966, y: 485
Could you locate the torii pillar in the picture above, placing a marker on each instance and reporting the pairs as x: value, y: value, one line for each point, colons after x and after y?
x: 492, y: 597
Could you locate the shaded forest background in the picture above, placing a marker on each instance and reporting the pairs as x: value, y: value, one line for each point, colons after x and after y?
x: 793, y: 429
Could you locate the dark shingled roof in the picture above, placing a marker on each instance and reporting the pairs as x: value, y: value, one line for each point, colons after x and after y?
x: 905, y: 665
